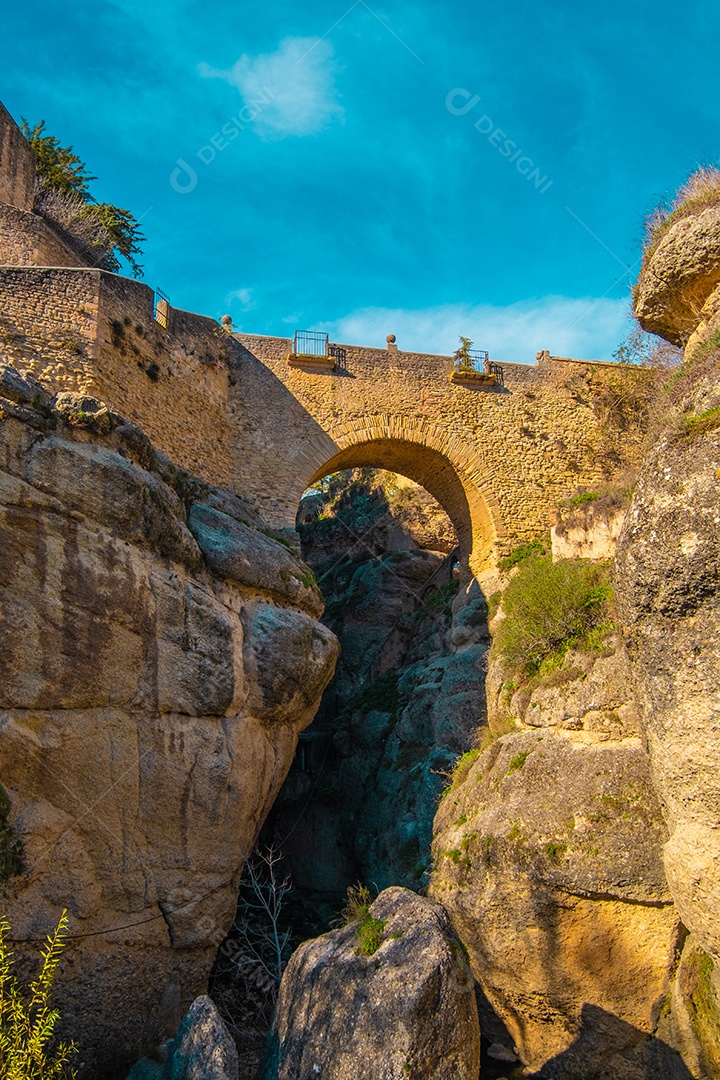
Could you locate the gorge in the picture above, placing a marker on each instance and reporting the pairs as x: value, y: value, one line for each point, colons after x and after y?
x: 193, y: 520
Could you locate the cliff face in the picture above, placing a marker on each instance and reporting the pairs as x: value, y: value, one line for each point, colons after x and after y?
x: 160, y: 653
x: 548, y: 857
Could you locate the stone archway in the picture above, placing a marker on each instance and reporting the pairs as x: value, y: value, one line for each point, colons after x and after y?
x: 441, y: 463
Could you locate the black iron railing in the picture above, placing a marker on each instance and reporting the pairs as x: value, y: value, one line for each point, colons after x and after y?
x: 310, y: 343
x: 497, y: 370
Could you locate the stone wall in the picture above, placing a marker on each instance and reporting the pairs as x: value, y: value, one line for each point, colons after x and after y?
x: 95, y: 332
x: 17, y: 165
x: 27, y: 240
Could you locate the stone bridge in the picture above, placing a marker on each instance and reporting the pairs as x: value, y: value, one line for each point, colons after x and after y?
x: 497, y: 458
x: 233, y: 410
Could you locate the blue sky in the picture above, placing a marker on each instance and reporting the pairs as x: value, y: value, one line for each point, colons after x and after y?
x: 427, y: 170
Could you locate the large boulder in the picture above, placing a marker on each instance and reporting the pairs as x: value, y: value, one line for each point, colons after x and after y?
x: 668, y: 589
x: 203, y: 1049
x: 142, y: 740
x: 679, y: 276
x: 403, y: 1005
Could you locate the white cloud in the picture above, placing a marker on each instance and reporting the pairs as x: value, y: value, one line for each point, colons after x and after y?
x: 244, y: 297
x: 290, y: 91
x: 586, y: 328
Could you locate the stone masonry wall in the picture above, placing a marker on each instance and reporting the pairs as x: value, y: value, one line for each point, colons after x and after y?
x: 27, y: 240
x: 17, y: 165
x: 96, y: 333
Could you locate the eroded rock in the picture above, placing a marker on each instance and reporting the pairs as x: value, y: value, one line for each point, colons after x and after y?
x: 548, y: 860
x: 203, y: 1049
x: 679, y: 276
x: 408, y: 1009
x: 142, y: 743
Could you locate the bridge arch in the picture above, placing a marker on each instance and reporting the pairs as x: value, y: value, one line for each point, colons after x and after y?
x: 441, y: 463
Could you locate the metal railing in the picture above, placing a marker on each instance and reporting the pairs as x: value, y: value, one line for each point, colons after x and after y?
x: 162, y: 307
x: 310, y: 343
x: 497, y: 370
x: 473, y: 360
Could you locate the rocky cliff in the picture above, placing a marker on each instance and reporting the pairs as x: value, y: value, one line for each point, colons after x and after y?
x: 161, y: 652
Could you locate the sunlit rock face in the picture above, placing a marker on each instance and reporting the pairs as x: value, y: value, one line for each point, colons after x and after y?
x: 391, y: 996
x: 160, y: 654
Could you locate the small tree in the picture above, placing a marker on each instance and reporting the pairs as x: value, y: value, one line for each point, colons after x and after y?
x: 257, y: 949
x: 463, y: 359
x: 27, y: 1027
x: 101, y: 232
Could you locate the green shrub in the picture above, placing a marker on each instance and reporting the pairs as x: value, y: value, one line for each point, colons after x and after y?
x: 550, y: 607
x: 27, y: 1026
x: 521, y: 553
x: 370, y: 935
x: 516, y: 763
x: 583, y: 497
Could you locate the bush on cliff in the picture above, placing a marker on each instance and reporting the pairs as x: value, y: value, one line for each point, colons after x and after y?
x: 550, y: 607
x: 28, y: 1049
x: 700, y: 191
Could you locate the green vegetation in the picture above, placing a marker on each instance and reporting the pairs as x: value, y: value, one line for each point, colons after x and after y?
x: 382, y: 695
x: 463, y: 359
x: 549, y: 608
x: 701, y: 424
x: 369, y: 930
x: 28, y: 1048
x: 370, y: 935
x: 583, y: 497
x: 521, y: 553
x: 699, y: 192
x: 101, y: 232
x: 702, y: 1004
x: 516, y: 763
x: 555, y: 851
x: 11, y: 849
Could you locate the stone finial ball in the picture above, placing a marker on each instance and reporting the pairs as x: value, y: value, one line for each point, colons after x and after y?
x: 391, y: 339
x: 226, y: 320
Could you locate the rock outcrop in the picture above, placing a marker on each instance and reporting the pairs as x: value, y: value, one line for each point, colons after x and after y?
x: 401, y: 1006
x: 676, y: 291
x: 203, y: 1049
x: 160, y: 653
x: 548, y: 858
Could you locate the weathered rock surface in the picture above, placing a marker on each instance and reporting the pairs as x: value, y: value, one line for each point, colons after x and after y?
x: 668, y: 585
x: 679, y: 277
x: 548, y: 860
x: 203, y: 1049
x: 589, y: 531
x: 405, y: 703
x: 144, y: 727
x: 407, y: 1010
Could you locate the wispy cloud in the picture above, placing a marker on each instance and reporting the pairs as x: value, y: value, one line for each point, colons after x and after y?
x: 587, y: 328
x: 300, y: 75
x: 243, y: 298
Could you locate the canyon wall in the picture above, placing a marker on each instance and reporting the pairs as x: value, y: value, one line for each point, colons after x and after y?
x: 161, y: 652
